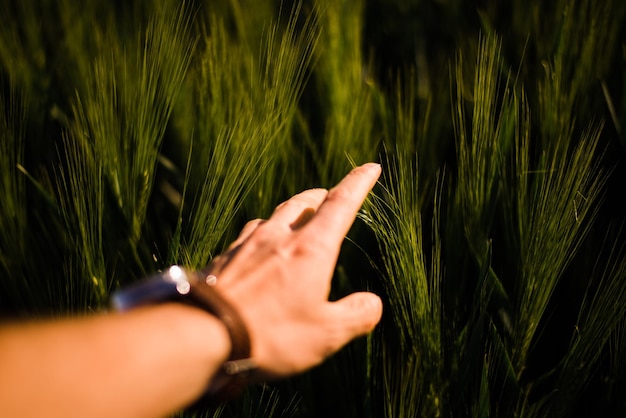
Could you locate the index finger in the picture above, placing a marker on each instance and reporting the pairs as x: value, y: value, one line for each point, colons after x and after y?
x: 336, y: 214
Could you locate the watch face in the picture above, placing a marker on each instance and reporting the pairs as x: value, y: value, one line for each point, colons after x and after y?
x: 170, y: 284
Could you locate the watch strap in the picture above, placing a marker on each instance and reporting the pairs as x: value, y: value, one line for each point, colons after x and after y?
x: 197, y: 289
x: 232, y: 377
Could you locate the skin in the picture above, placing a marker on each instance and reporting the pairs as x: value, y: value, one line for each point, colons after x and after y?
x: 277, y: 275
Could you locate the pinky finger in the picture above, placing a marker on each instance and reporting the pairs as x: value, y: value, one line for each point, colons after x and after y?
x: 245, y: 233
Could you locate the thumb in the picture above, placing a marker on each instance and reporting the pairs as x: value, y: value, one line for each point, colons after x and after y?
x: 358, y: 314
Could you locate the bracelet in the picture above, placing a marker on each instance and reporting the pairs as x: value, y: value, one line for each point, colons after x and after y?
x: 194, y: 288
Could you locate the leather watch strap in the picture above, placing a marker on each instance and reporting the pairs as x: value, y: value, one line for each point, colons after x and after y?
x: 231, y: 379
x: 197, y: 289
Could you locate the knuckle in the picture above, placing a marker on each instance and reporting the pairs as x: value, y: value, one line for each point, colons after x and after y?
x: 253, y: 223
x: 340, y: 194
x: 302, y: 200
x: 264, y: 233
x: 270, y: 235
x: 251, y: 226
x: 311, y: 245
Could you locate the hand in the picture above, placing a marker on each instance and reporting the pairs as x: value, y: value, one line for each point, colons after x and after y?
x: 277, y: 274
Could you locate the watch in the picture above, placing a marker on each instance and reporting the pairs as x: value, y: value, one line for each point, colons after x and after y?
x: 177, y: 284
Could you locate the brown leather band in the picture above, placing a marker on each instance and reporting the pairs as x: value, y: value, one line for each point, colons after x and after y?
x: 232, y: 378
x: 218, y: 306
x: 196, y: 289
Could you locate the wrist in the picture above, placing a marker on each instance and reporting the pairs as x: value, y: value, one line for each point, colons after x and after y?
x: 207, y: 334
x: 202, y: 338
x: 196, y: 291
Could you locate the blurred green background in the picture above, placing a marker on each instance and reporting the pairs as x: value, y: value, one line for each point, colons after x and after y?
x: 134, y: 135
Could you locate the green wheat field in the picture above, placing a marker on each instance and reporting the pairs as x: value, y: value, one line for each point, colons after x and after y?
x: 134, y: 135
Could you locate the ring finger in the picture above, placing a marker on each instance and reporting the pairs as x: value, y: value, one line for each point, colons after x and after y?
x: 298, y: 210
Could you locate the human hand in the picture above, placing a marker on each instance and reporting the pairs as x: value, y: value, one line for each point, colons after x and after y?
x: 278, y: 272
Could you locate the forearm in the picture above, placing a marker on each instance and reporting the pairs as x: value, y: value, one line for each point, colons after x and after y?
x: 148, y: 362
